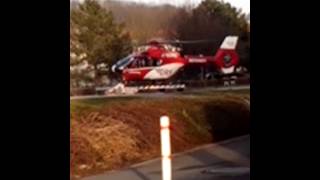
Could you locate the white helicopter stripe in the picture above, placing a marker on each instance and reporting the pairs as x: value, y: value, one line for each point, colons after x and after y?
x: 164, y: 71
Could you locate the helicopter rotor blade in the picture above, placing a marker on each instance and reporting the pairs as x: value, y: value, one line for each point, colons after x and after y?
x: 182, y: 42
x: 190, y: 41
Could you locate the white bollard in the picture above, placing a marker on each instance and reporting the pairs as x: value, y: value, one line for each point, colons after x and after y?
x: 165, y: 148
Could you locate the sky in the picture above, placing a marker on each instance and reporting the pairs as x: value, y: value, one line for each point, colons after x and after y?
x: 243, y: 4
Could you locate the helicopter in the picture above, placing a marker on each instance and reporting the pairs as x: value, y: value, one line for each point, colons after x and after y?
x: 161, y: 63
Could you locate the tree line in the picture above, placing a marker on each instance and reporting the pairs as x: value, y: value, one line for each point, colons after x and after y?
x: 103, y: 32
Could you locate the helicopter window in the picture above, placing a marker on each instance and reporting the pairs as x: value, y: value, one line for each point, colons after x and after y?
x: 134, y: 64
x: 158, y: 62
x: 144, y: 62
x: 150, y: 62
x: 125, y: 61
x: 155, y: 62
x: 138, y: 63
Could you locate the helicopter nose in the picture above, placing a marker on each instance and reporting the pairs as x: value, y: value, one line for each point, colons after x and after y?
x: 116, y: 69
x: 113, y: 68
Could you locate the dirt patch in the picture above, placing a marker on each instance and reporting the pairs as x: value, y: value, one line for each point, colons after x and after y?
x: 116, y: 135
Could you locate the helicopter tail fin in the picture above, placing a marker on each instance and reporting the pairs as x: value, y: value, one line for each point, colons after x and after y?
x: 229, y: 43
x: 226, y: 58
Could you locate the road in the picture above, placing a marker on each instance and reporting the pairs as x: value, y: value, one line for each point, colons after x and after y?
x: 159, y: 94
x: 228, y: 160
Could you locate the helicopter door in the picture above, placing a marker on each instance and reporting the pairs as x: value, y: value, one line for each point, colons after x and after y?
x: 138, y: 63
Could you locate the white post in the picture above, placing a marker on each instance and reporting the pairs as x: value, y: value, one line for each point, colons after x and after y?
x: 165, y: 148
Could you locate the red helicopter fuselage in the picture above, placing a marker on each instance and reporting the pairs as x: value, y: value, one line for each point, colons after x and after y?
x: 157, y: 62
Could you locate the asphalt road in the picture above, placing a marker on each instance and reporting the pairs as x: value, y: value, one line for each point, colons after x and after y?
x: 159, y: 94
x: 228, y: 160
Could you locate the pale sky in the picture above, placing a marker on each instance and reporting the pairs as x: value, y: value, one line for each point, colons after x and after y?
x: 243, y: 4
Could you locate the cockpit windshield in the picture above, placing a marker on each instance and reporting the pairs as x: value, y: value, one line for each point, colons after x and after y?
x: 122, y: 63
